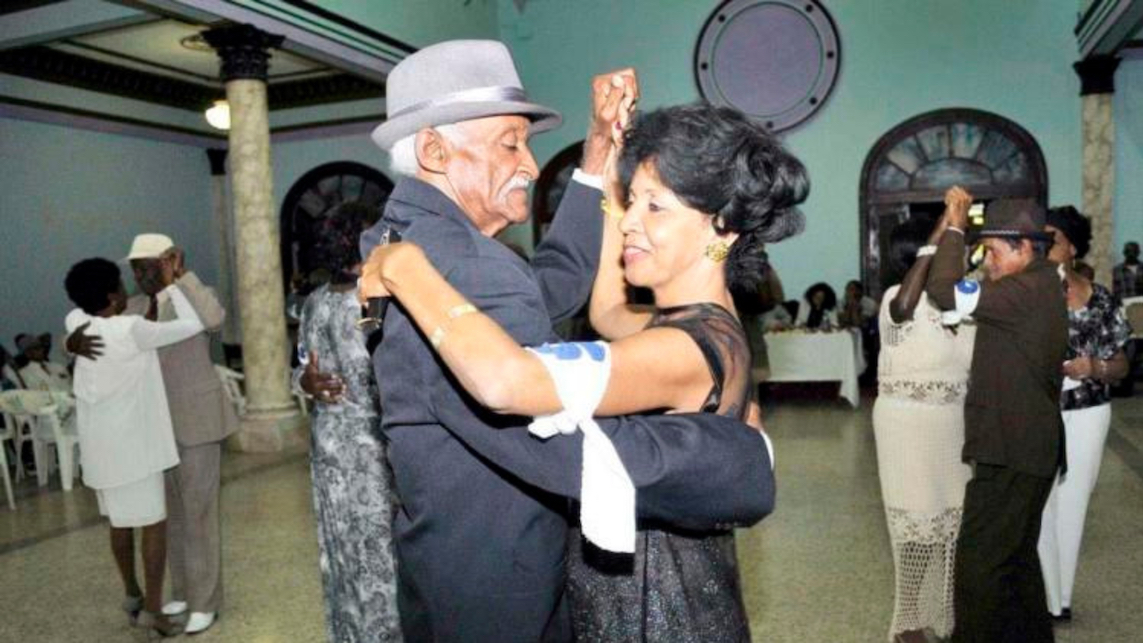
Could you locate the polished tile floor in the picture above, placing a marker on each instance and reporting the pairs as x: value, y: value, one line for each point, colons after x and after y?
x: 819, y: 569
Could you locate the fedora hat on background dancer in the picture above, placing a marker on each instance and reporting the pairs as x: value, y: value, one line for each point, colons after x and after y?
x: 455, y: 81
x: 1014, y: 219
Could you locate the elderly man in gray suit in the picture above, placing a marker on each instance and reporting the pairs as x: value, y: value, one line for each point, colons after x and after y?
x: 481, y: 532
x: 202, y: 419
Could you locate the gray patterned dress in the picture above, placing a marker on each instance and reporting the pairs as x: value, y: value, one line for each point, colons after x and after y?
x: 352, y: 483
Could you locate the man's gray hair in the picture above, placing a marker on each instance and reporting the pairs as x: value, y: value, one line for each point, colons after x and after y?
x: 403, y: 154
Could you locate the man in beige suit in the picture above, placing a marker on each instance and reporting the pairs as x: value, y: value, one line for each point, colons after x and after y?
x: 202, y: 419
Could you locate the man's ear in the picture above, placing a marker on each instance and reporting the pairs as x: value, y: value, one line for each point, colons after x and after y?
x: 432, y: 151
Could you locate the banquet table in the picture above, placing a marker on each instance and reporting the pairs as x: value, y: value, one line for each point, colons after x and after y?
x: 804, y: 356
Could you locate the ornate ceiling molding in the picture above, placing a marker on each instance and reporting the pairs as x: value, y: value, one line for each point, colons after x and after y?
x: 318, y: 91
x: 50, y: 65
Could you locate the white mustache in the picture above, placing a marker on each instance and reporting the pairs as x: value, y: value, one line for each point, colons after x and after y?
x: 517, y: 182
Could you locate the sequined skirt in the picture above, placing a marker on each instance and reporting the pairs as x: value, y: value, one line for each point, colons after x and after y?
x: 677, y: 588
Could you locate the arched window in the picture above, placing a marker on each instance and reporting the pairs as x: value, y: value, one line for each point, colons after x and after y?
x: 316, y: 195
x: 909, y: 168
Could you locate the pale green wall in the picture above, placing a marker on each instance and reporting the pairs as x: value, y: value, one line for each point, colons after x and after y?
x: 1128, y: 108
x: 69, y: 194
x: 899, y: 58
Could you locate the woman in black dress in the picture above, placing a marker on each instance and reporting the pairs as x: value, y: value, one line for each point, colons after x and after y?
x: 704, y: 189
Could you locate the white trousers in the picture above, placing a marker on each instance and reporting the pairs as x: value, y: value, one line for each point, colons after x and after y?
x: 1062, y: 529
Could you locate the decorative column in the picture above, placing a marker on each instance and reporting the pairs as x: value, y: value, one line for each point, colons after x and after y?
x: 231, y: 328
x: 1097, y: 86
x: 271, y: 412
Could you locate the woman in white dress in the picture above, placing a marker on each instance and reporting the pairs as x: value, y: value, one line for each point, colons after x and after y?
x: 125, y: 434
x: 918, y: 421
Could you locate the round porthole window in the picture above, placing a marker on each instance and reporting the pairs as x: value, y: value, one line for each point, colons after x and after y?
x: 775, y: 60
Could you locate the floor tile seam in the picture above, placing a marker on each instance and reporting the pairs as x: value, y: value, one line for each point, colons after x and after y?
x: 24, y: 543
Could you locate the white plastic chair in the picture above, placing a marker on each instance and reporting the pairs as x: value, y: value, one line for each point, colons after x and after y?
x: 41, y: 410
x: 1133, y: 310
x: 232, y: 386
x: 8, y: 433
x: 232, y: 383
x: 20, y: 432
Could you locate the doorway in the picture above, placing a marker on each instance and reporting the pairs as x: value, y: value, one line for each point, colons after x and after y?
x: 908, y: 170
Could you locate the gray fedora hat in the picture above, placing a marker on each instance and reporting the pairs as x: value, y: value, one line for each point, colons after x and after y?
x: 455, y: 81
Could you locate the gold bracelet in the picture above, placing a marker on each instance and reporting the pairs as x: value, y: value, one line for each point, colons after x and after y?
x: 605, y: 205
x: 438, y: 334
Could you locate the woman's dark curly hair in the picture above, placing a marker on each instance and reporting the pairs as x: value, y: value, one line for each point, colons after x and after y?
x: 830, y: 301
x: 336, y: 244
x: 1075, y: 226
x: 904, y: 242
x: 90, y: 284
x: 719, y: 162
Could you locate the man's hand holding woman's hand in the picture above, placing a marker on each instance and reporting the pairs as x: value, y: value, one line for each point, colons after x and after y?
x: 957, y: 203
x: 614, y: 96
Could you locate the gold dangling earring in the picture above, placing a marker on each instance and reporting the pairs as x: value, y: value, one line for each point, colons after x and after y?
x: 717, y: 251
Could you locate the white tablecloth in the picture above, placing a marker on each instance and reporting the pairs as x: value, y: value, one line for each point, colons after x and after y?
x: 798, y: 356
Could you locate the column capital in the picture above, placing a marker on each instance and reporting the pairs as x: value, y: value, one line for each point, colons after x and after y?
x: 244, y: 50
x: 217, y: 159
x: 1097, y: 74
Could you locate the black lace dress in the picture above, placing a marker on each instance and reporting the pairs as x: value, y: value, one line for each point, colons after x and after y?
x: 679, y: 586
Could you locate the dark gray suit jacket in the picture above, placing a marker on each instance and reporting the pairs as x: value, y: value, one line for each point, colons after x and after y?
x: 481, y: 532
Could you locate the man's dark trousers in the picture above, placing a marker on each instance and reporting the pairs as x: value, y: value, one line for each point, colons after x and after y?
x: 999, y: 592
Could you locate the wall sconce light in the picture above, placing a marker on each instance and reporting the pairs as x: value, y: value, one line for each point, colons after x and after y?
x: 218, y: 115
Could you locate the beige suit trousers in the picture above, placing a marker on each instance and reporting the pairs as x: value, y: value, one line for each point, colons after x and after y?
x: 194, y: 538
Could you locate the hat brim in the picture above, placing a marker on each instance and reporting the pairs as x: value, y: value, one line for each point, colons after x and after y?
x: 142, y: 254
x: 1013, y: 234
x: 395, y: 129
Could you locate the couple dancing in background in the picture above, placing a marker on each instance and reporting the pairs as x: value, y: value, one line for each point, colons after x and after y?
x: 481, y: 529
x: 930, y: 384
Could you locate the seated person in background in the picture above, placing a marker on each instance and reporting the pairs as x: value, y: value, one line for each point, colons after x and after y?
x: 778, y: 318
x: 857, y: 311
x: 9, y: 373
x: 1127, y: 277
x: 860, y: 312
x: 41, y: 374
x: 818, y: 308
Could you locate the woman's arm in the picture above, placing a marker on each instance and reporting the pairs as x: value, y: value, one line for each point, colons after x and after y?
x: 1112, y: 370
x: 909, y: 295
x: 149, y: 335
x: 661, y: 368
x: 611, y: 315
x: 803, y: 315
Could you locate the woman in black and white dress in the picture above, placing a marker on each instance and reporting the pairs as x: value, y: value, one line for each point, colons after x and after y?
x: 1097, y: 334
x: 352, y: 483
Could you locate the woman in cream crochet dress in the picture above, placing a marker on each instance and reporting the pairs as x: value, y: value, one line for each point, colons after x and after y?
x: 918, y: 421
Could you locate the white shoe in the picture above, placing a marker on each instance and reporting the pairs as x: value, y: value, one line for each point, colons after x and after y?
x: 199, y: 622
x: 174, y: 608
